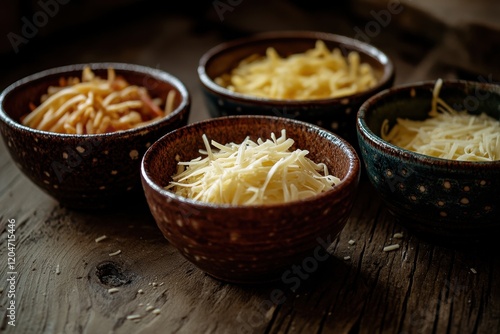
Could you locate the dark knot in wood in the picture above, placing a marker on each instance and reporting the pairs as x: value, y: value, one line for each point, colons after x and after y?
x: 111, y: 274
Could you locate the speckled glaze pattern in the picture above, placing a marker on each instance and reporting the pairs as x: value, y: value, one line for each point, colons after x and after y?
x: 336, y: 114
x: 248, y: 244
x: 443, y: 200
x: 86, y: 171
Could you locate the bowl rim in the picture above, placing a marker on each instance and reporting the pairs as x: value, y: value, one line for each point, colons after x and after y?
x: 390, y: 149
x: 349, y: 43
x: 352, y: 175
x: 125, y: 67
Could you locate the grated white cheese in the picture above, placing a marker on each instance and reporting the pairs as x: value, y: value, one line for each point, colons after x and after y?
x: 398, y: 236
x: 134, y: 316
x: 447, y: 134
x: 113, y: 290
x: 115, y: 253
x: 391, y: 247
x: 252, y: 173
x: 101, y: 238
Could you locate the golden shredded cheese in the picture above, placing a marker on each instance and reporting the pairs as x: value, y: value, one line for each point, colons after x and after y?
x: 447, y: 134
x: 251, y: 173
x: 315, y: 74
x: 93, y: 105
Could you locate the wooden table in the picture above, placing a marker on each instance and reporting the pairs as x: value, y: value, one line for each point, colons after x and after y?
x: 63, y: 276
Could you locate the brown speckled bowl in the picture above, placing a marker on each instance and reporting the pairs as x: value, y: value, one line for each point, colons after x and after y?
x: 334, y: 114
x: 86, y: 171
x: 249, y: 243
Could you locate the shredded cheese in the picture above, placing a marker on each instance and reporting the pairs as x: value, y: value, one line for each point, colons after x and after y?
x: 115, y: 253
x: 391, y: 248
x: 101, y: 238
x: 447, y: 134
x: 251, y: 173
x: 113, y: 290
x: 91, y: 104
x: 134, y: 317
x: 317, y: 73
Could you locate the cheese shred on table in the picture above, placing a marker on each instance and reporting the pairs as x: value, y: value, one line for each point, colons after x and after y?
x: 448, y: 134
x: 251, y: 173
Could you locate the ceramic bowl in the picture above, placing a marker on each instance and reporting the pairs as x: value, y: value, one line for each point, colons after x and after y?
x: 256, y: 243
x: 86, y: 171
x: 334, y: 114
x: 444, y: 200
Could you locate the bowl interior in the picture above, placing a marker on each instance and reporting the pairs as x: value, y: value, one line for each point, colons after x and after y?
x: 223, y: 58
x: 161, y: 164
x: 16, y: 99
x: 414, y: 102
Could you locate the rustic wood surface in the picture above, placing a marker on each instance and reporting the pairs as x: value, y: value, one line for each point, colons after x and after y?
x: 64, y: 276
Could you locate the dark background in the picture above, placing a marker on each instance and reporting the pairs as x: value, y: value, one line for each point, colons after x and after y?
x: 425, y: 39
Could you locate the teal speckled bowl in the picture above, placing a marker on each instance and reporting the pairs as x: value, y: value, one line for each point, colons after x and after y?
x: 445, y: 200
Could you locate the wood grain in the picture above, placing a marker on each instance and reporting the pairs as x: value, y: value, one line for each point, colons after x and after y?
x: 64, y: 275
x: 419, y: 288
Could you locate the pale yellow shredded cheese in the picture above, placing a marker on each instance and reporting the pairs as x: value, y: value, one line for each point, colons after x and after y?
x: 101, y: 238
x: 115, y: 253
x: 391, y: 248
x: 251, y: 173
x: 134, y: 317
x: 113, y: 290
x: 317, y: 73
x: 447, y: 133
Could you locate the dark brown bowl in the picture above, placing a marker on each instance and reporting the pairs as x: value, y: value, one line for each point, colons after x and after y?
x: 446, y: 201
x: 334, y: 114
x: 86, y: 171
x: 249, y: 243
